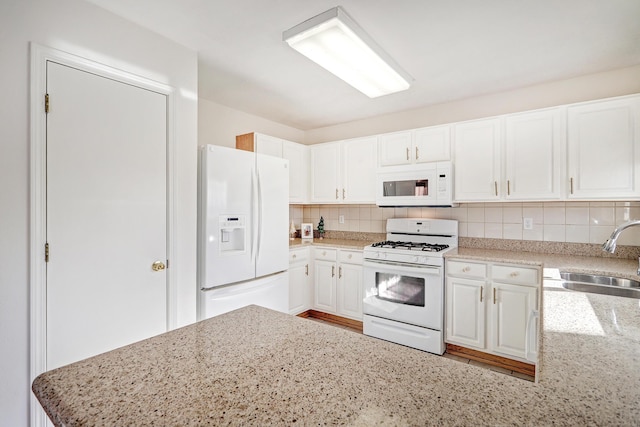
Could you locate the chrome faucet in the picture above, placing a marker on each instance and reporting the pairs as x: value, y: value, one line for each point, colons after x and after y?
x: 610, y: 244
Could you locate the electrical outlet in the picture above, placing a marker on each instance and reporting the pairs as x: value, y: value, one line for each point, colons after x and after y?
x: 341, y: 219
x: 527, y: 223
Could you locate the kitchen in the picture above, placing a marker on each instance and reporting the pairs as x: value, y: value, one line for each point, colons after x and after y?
x: 54, y: 26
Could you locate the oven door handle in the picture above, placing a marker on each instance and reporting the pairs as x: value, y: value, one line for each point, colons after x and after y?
x: 401, y: 267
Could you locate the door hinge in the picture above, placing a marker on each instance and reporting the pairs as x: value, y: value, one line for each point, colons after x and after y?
x: 46, y: 103
x: 167, y: 263
x: 46, y: 252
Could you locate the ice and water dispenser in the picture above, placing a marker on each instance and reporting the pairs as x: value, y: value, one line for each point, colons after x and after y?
x: 232, y: 233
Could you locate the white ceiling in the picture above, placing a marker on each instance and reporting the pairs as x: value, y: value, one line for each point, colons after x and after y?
x: 454, y: 49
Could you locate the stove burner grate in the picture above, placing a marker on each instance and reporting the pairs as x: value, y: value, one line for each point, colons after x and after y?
x: 411, y: 246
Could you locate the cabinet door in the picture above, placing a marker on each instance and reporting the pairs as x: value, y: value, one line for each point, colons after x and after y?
x: 298, y: 156
x: 431, y: 144
x: 350, y: 290
x: 359, y: 163
x: 534, y: 155
x: 299, y: 281
x: 477, y: 160
x: 511, y: 307
x: 396, y: 148
x: 465, y: 319
x: 269, y: 145
x: 325, y: 172
x: 604, y: 149
x: 325, y: 286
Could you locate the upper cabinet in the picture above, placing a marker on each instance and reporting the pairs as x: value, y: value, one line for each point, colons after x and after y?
x: 297, y: 154
x: 477, y: 166
x: 325, y: 173
x: 431, y: 144
x: 534, y: 155
x: 604, y: 149
x: 512, y: 157
x: 344, y: 171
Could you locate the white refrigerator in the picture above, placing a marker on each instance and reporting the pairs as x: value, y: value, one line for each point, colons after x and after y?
x: 243, y: 231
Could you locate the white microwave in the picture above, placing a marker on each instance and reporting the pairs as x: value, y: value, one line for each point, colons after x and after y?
x: 426, y: 184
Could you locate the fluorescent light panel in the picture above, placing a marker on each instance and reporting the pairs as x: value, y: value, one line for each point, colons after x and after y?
x: 335, y: 42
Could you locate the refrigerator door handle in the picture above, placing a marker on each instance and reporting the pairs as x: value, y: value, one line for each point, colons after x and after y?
x: 254, y: 216
x: 259, y: 216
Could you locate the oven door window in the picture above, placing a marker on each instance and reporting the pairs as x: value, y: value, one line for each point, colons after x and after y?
x: 400, y: 289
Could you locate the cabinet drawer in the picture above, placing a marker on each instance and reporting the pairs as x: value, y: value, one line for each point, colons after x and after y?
x: 325, y: 254
x: 466, y: 269
x: 515, y: 274
x: 350, y: 257
x: 298, y: 255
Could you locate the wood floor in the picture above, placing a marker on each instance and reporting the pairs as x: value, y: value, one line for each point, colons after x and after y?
x: 461, y: 359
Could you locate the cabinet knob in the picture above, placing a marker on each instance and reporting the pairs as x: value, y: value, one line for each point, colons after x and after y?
x: 466, y: 269
x: 350, y: 256
x: 514, y: 274
x: 294, y: 256
x: 324, y: 253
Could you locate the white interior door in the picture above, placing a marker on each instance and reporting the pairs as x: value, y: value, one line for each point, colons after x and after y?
x: 106, y: 214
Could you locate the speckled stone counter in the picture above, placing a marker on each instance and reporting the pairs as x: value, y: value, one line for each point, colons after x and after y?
x: 336, y: 243
x: 580, y: 264
x: 254, y: 366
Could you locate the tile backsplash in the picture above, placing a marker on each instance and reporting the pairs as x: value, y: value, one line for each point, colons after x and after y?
x: 576, y: 222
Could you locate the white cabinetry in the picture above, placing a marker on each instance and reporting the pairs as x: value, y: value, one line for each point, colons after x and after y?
x: 513, y: 157
x: 338, y: 282
x: 300, y: 280
x: 324, y: 270
x: 476, y: 156
x: 534, y: 155
x: 604, y: 149
x: 325, y: 172
x: 297, y: 154
x: 344, y: 171
x: 493, y: 307
x: 349, y: 293
x: 431, y: 144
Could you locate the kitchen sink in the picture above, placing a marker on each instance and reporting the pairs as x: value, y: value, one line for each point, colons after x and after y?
x: 597, y: 284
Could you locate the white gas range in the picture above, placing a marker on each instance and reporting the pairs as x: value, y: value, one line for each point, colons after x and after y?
x: 404, y: 283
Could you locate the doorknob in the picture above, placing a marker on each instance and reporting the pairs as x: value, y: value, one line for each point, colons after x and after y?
x: 158, y: 266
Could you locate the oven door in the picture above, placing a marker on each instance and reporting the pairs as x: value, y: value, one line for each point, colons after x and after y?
x: 404, y: 293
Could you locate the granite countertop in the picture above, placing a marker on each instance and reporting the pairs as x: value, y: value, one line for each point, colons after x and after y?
x: 255, y: 366
x: 580, y: 264
x: 336, y: 243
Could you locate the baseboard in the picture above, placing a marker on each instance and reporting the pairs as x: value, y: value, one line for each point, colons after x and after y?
x: 332, y: 318
x: 492, y: 359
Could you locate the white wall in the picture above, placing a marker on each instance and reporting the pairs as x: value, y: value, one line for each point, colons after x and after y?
x: 619, y: 82
x: 82, y: 29
x: 219, y: 125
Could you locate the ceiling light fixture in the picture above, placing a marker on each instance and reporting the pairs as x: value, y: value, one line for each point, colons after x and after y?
x: 337, y: 43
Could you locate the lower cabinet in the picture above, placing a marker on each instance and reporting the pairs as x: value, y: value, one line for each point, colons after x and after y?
x: 493, y: 308
x: 324, y: 270
x: 349, y: 284
x: 300, y: 280
x: 338, y: 282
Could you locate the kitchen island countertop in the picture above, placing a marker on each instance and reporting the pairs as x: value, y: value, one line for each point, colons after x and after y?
x: 254, y: 366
